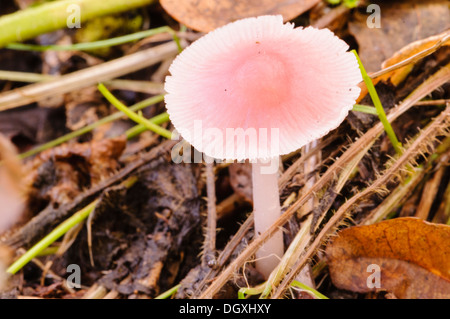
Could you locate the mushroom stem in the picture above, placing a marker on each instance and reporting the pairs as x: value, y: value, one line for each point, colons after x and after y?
x: 266, y: 210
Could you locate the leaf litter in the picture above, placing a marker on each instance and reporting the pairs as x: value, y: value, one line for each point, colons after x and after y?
x: 142, y: 240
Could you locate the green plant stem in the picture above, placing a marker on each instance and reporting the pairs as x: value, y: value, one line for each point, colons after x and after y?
x: 379, y: 107
x: 365, y: 109
x: 251, y: 291
x: 59, y: 231
x: 51, y: 237
x: 29, y: 23
x: 159, y: 119
x: 98, y: 44
x: 132, y: 115
x: 310, y: 290
x: 168, y: 293
x: 140, y: 128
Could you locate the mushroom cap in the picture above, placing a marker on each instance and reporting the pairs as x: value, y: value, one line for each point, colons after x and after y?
x: 257, y: 88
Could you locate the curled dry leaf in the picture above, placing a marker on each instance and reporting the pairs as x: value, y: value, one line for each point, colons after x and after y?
x: 401, y: 22
x: 411, y: 255
x: 407, y: 55
x: 424, y: 46
x: 207, y: 15
x: 61, y: 173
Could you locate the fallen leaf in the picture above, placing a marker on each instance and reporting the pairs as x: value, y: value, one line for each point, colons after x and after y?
x: 207, y: 15
x: 412, y: 255
x: 61, y: 173
x: 420, y: 46
x: 402, y: 22
x: 414, y: 52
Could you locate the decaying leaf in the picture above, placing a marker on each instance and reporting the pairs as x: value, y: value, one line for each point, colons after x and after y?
x: 163, y: 209
x: 207, y: 15
x: 412, y: 258
x: 61, y: 173
x: 401, y: 22
x: 410, y: 50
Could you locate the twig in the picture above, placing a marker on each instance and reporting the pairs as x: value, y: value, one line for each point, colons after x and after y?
x: 87, y: 77
x: 209, y: 255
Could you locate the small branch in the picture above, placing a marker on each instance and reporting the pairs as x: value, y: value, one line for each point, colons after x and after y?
x: 87, y: 77
x: 209, y: 255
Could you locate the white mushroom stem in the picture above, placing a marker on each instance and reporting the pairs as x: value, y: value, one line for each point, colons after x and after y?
x: 266, y: 210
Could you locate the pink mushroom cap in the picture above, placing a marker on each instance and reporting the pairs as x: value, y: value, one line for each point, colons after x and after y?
x: 287, y: 85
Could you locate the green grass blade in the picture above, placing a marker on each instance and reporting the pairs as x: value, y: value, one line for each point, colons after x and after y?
x: 51, y: 237
x: 168, y: 293
x: 96, y: 44
x: 365, y: 109
x: 314, y: 292
x: 159, y: 119
x: 132, y: 115
x: 379, y: 108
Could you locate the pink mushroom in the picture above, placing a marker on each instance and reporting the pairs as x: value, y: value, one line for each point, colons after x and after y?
x: 256, y: 89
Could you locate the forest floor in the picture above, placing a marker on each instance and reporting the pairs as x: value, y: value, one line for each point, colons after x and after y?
x: 92, y: 205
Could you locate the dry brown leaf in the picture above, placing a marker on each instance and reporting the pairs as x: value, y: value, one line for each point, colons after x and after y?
x: 61, y: 173
x: 409, y: 54
x: 402, y: 22
x: 413, y: 256
x: 207, y: 15
x: 421, y: 46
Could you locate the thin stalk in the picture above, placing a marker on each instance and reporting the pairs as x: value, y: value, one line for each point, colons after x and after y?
x: 250, y: 291
x: 365, y: 109
x: 266, y: 209
x: 169, y: 292
x: 140, y: 128
x: 96, y: 44
x: 159, y: 119
x: 51, y: 238
x: 26, y: 77
x: 379, y: 107
x: 132, y: 115
x: 310, y: 290
x: 29, y: 23
x: 59, y: 231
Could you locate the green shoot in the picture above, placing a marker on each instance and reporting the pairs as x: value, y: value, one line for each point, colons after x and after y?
x: 138, y: 129
x: 348, y: 3
x: 251, y: 291
x: 59, y: 231
x: 379, y: 108
x: 309, y: 290
x: 132, y: 115
x: 98, y: 44
x: 51, y: 237
x: 365, y: 109
x: 168, y: 293
x: 159, y: 119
